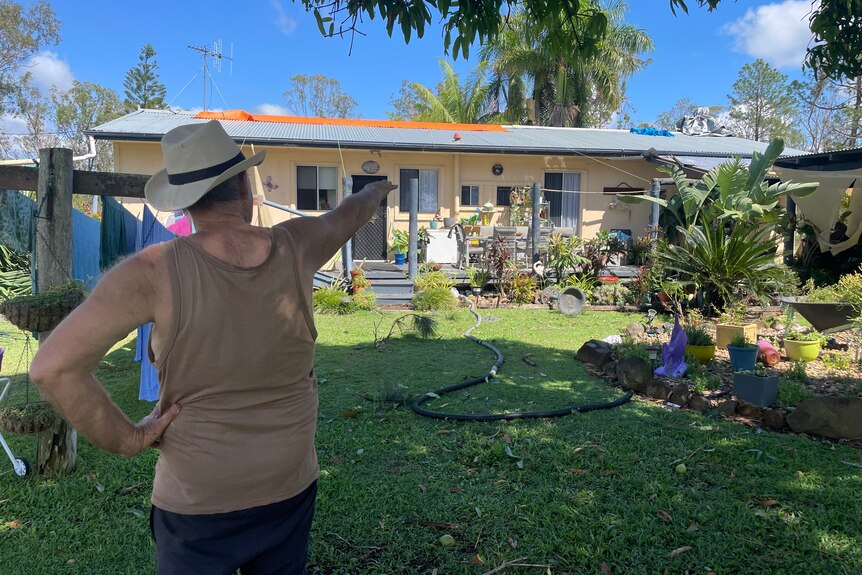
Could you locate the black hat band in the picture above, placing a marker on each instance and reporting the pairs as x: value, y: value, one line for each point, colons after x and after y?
x: 205, y: 173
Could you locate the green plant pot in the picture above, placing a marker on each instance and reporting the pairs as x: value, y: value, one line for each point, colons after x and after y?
x: 703, y: 353
x: 801, y: 350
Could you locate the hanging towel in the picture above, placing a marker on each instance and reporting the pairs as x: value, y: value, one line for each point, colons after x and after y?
x: 150, y: 232
x: 85, y: 249
x: 181, y: 227
x: 16, y: 217
x: 118, y: 233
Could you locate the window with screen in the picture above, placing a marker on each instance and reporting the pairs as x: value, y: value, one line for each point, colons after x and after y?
x: 504, y: 195
x: 428, y: 201
x: 316, y: 187
x: 469, y: 195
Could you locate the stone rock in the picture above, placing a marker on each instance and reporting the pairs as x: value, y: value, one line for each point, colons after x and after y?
x: 634, y: 373
x: 595, y: 352
x: 610, y: 369
x: 836, y: 345
x: 680, y: 394
x: 658, y: 390
x: 635, y: 330
x: 833, y: 417
x: 775, y: 419
x: 761, y: 325
x: 728, y: 407
x: 749, y: 411
x: 699, y: 403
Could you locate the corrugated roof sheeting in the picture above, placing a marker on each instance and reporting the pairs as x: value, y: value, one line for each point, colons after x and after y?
x: 705, y: 163
x: 151, y: 124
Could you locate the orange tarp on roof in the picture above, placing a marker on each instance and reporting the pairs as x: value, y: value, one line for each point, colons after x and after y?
x: 245, y: 116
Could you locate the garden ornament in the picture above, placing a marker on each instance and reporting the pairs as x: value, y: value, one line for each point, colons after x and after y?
x: 672, y: 353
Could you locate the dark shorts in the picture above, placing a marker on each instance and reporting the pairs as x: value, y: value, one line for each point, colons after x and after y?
x: 271, y: 539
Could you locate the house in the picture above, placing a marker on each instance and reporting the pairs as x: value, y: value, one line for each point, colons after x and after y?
x: 459, y: 168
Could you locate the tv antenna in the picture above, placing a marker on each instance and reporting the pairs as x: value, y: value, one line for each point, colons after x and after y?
x: 216, y: 54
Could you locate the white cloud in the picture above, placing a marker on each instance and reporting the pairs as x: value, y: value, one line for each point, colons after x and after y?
x: 49, y: 70
x: 282, y: 21
x: 12, y: 125
x: 777, y: 33
x: 273, y: 110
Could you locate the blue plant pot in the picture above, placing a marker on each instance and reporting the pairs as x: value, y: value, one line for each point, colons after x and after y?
x: 742, y: 358
x: 400, y: 259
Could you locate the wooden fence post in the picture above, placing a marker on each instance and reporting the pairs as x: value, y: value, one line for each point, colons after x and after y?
x: 57, y: 446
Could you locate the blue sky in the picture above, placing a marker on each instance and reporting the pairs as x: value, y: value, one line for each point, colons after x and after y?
x: 697, y: 55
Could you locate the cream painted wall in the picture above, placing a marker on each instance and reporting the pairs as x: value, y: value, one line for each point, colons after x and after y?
x: 598, y: 211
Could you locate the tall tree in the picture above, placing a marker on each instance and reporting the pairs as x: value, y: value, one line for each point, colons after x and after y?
x: 319, y: 96
x: 80, y: 108
x: 22, y: 33
x: 455, y: 102
x: 31, y: 107
x: 683, y: 107
x: 762, y: 106
x: 407, y: 105
x: 819, y: 111
x: 836, y: 25
x: 570, y: 87
x: 143, y: 89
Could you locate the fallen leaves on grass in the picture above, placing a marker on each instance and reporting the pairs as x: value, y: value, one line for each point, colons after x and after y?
x: 769, y: 502
x: 91, y: 477
x: 526, y: 359
x: 577, y: 470
x: 12, y: 525
x: 476, y: 561
x: 348, y: 414
x: 513, y: 543
x: 693, y: 527
x: 665, y: 516
x: 443, y: 432
x: 606, y: 569
x: 334, y: 459
x: 680, y: 550
x: 128, y: 489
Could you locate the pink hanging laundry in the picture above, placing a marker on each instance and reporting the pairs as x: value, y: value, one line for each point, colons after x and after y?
x: 181, y: 227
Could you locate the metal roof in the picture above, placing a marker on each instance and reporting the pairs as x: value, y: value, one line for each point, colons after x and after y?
x: 151, y: 125
x: 700, y: 163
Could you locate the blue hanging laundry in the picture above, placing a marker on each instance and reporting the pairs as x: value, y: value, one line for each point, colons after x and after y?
x: 150, y: 232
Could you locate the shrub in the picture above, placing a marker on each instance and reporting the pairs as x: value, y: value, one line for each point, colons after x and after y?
x: 703, y: 380
x: 584, y: 283
x: 612, y: 294
x: 364, y: 300
x: 797, y: 372
x: 433, y: 279
x: 790, y: 393
x: 522, y: 288
x: 332, y: 300
x: 697, y: 335
x: 837, y: 360
x: 434, y: 298
x: 628, y: 348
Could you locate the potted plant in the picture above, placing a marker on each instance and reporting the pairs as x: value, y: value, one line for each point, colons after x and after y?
x: 803, y: 346
x: 400, y: 241
x: 471, y: 224
x: 733, y: 324
x: 358, y: 280
x: 700, y: 343
x: 44, y: 311
x: 487, y: 213
x: 478, y: 280
x: 743, y: 354
x: 757, y: 386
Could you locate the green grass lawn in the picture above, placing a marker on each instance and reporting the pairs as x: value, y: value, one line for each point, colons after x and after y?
x: 574, y: 493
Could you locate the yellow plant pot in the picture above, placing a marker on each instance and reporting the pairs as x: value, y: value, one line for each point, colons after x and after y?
x: 725, y: 333
x: 703, y: 353
x: 801, y: 350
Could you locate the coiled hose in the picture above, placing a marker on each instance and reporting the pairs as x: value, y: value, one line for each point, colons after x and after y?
x: 417, y: 405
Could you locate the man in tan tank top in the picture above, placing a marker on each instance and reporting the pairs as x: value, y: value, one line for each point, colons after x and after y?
x: 233, y: 343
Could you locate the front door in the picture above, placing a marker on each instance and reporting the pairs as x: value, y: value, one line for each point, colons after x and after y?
x: 369, y: 243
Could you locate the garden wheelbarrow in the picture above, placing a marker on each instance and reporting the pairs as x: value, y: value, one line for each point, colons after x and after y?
x: 19, y: 464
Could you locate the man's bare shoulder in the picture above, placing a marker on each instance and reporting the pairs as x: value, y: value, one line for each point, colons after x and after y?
x: 147, y: 268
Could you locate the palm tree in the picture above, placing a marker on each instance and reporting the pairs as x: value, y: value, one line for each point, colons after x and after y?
x: 569, y: 87
x: 454, y: 102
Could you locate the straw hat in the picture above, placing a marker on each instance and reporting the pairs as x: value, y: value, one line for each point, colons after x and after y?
x: 198, y: 157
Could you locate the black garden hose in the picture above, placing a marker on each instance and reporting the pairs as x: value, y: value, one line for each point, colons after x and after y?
x: 417, y: 404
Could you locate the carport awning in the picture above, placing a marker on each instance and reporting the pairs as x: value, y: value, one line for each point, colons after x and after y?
x: 821, y: 209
